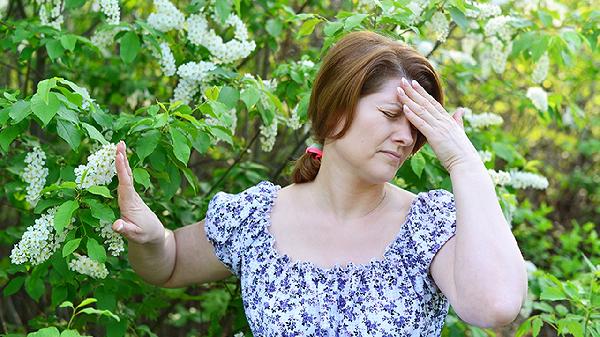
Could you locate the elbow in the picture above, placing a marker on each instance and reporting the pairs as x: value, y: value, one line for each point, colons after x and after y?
x: 503, y: 312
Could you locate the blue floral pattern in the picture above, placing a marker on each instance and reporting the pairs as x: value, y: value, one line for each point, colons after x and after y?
x: 391, y: 296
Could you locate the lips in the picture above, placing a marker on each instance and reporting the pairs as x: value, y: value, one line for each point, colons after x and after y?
x: 395, y: 154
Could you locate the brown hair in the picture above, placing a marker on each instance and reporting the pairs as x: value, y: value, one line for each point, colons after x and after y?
x: 358, y: 65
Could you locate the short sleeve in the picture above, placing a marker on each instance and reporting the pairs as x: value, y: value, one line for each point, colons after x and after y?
x: 226, y: 221
x: 435, y: 225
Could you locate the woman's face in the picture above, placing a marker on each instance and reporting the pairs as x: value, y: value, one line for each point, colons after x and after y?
x: 379, y: 125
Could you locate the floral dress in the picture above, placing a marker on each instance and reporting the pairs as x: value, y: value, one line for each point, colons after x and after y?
x: 391, y: 296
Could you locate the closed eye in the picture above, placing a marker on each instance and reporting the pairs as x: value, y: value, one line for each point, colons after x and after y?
x: 389, y: 113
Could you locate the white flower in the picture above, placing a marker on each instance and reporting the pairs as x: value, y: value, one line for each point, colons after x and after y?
x: 40, y: 240
x: 498, y: 54
x: 167, y: 61
x: 469, y: 42
x: 294, y: 121
x: 519, y: 179
x: 192, y: 75
x: 115, y: 242
x: 458, y: 57
x: 484, y: 10
x: 485, y: 156
x: 541, y: 69
x: 86, y: 266
x: 439, y: 26
x: 54, y: 18
x: 104, y: 39
x: 224, y: 121
x: 35, y: 174
x: 110, y: 8
x: 268, y: 134
x: 499, y: 177
x: 100, y: 168
x: 485, y: 119
x: 424, y: 47
x: 538, y: 97
x: 499, y: 26
x: 167, y: 16
x: 416, y: 7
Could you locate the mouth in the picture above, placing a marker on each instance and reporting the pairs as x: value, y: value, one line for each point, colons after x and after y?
x: 392, y: 154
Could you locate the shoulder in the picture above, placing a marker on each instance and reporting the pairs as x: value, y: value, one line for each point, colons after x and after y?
x: 241, y: 204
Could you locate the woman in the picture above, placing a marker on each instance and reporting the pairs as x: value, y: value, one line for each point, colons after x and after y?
x: 341, y: 251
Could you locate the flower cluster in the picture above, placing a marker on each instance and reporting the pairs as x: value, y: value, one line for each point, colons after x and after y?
x: 40, y: 240
x: 499, y: 26
x: 416, y: 7
x: 538, y: 97
x: 55, y: 18
x: 167, y: 61
x: 469, y: 42
x: 86, y: 266
x: 499, y: 54
x: 231, y: 116
x: 100, y: 168
x: 484, y: 10
x: 521, y: 180
x: 499, y: 177
x: 104, y: 38
x: 222, y: 52
x: 110, y: 8
x: 294, y: 121
x: 35, y: 174
x: 192, y: 75
x: 115, y: 242
x: 541, y: 69
x: 482, y: 120
x: 268, y: 134
x: 439, y: 26
x: 485, y: 156
x: 167, y: 16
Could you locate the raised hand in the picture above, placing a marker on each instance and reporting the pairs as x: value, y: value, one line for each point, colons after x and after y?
x: 445, y: 134
x: 137, y: 223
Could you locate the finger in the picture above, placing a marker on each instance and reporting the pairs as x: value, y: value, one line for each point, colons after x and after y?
x: 126, y: 228
x: 122, y: 174
x: 420, y: 99
x: 418, y: 88
x: 126, y: 160
x: 407, y: 101
x: 458, y: 117
x: 425, y: 128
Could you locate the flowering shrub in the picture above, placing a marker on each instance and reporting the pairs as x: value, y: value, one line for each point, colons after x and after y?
x: 212, y: 95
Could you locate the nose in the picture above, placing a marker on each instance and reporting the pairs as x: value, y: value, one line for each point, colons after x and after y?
x: 404, y: 133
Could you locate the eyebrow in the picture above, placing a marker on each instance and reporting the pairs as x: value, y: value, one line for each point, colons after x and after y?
x: 394, y: 104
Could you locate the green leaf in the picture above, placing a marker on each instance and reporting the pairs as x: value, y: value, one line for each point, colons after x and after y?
x: 274, y: 27
x: 68, y: 41
x: 353, y: 21
x: 70, y: 333
x: 95, y: 250
x: 417, y: 163
x: 86, y: 301
x: 8, y: 135
x: 459, y: 17
x: 55, y: 49
x: 308, y: 27
x: 250, y: 96
x: 45, y: 111
x: 181, y: 146
x: 19, y: 111
x: 94, y: 133
x: 129, y: 47
x: 45, y: 332
x: 504, y: 151
x: 70, y: 247
x: 539, y: 46
x: 552, y: 294
x: 66, y: 304
x: 34, y: 286
x: 141, y: 176
x: 100, y: 211
x: 229, y: 96
x: 63, y: 215
x: 44, y: 87
x: 69, y: 132
x: 147, y: 143
x: 223, y: 10
x: 201, y: 142
x: 100, y: 190
x: 100, y: 312
x: 332, y: 27
x: 13, y: 286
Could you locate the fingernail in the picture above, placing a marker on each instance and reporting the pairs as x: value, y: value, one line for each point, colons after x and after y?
x: 120, y: 226
x: 404, y: 81
x: 401, y: 91
x: 415, y: 83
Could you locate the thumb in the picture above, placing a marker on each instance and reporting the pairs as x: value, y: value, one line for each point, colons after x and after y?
x: 126, y: 228
x: 458, y: 117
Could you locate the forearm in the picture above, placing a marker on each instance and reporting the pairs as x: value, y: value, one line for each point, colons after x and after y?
x: 154, y: 262
x: 489, y: 270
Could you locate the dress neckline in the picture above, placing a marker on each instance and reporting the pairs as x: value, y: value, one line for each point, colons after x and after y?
x: 274, y: 193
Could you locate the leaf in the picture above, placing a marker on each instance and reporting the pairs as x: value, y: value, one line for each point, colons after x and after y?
x: 417, y: 163
x: 66, y: 304
x: 55, y: 49
x: 19, y: 111
x: 70, y: 247
x: 13, y: 286
x: 250, y: 96
x: 69, y: 132
x: 181, y: 147
x: 308, y: 27
x: 229, y: 96
x: 353, y: 21
x: 68, y: 41
x: 100, y: 211
x: 223, y: 10
x: 100, y: 312
x: 34, y: 286
x: 129, y: 47
x: 95, y: 250
x: 201, y: 142
x: 274, y: 27
x: 8, y: 135
x: 94, y: 133
x: 141, y: 176
x: 100, y: 190
x: 552, y: 294
x: 147, y: 143
x: 332, y: 27
x: 63, y: 215
x: 70, y: 333
x: 44, y: 87
x: 459, y: 17
x: 45, y: 111
x: 45, y: 332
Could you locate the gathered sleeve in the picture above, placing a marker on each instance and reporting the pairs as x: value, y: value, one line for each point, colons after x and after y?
x: 435, y: 225
x: 226, y: 221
